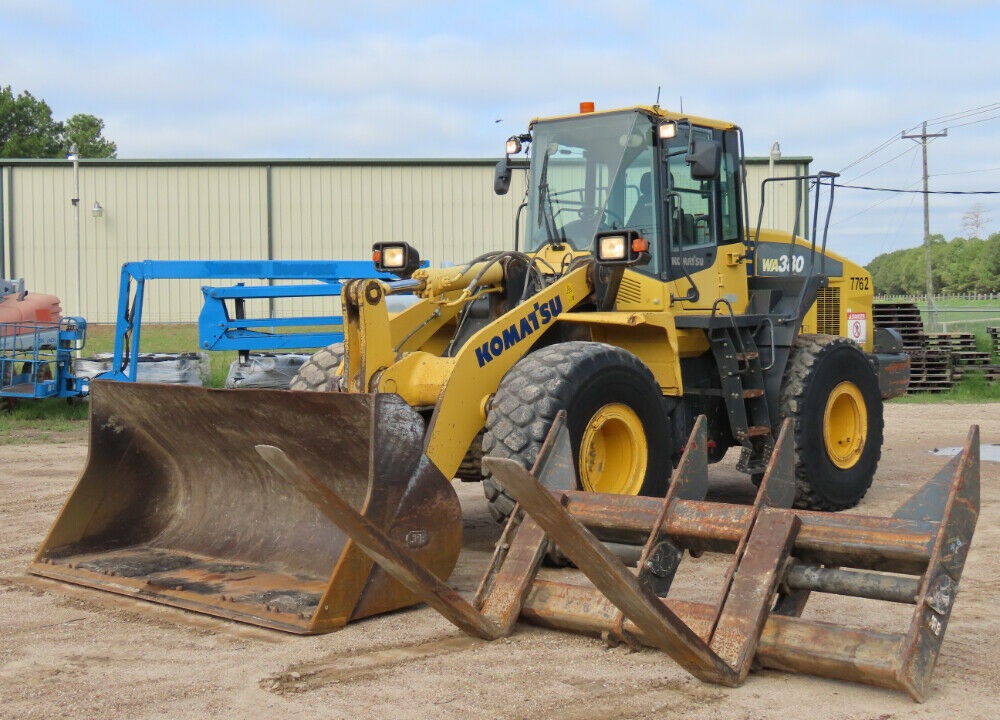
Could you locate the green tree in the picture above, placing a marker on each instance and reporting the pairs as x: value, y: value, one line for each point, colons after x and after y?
x: 86, y: 132
x: 963, y: 265
x: 27, y: 130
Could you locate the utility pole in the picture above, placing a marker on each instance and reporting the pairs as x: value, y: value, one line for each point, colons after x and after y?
x: 922, y: 137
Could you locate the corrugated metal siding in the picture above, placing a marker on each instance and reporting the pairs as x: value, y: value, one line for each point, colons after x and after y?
x: 43, y: 234
x: 448, y: 212
x: 219, y: 210
x: 149, y: 212
x: 785, y: 200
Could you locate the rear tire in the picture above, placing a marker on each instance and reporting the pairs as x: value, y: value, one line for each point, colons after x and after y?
x: 831, y: 393
x: 321, y: 372
x: 614, y: 414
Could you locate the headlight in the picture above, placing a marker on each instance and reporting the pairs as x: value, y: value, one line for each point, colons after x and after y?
x: 621, y: 247
x: 393, y: 258
x: 611, y: 247
x: 399, y: 259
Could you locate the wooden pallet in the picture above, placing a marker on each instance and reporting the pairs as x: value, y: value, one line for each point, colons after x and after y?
x: 930, y: 371
x: 905, y: 319
x: 990, y: 372
x: 970, y: 357
x: 953, y: 342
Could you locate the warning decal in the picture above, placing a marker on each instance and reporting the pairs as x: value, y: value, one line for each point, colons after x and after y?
x: 857, y: 326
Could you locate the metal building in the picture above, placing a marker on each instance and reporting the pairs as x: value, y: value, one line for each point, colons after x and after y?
x: 130, y: 210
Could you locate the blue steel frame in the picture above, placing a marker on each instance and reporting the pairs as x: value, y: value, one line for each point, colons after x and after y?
x: 217, y: 329
x: 36, y: 359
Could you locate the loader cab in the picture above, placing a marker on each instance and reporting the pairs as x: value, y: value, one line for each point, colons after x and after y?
x: 637, y: 170
x: 591, y: 173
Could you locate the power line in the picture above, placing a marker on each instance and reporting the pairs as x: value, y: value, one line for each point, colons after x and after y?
x: 943, y: 119
x: 871, y: 207
x: 919, y: 192
x: 965, y: 172
x: 871, y: 153
x: 940, y: 120
x: 881, y: 165
x: 973, y: 122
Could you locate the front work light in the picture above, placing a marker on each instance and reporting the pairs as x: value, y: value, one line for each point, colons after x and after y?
x: 400, y: 259
x: 621, y: 247
x: 612, y: 247
x: 668, y: 130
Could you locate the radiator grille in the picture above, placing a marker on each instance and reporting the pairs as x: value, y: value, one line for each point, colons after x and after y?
x: 828, y: 311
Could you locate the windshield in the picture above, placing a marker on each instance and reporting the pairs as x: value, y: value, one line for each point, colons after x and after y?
x: 591, y: 173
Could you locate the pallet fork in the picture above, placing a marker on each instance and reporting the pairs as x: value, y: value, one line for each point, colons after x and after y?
x: 780, y: 556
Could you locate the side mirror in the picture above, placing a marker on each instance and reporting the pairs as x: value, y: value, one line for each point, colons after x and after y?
x: 705, y: 159
x: 501, y: 177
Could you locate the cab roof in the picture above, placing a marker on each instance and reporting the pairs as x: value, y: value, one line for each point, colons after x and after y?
x: 653, y: 111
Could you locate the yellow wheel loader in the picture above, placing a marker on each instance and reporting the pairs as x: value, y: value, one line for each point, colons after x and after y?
x: 638, y: 299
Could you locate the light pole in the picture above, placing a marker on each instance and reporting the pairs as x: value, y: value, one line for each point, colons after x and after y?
x: 74, y: 157
x: 928, y: 274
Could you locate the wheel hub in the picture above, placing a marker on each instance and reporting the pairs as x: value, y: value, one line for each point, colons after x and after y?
x: 845, y: 425
x: 613, y: 451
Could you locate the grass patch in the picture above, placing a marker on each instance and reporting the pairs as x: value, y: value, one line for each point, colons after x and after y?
x: 24, y: 419
x: 973, y: 388
x: 959, y: 315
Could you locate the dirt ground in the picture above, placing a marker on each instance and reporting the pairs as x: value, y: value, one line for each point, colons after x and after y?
x: 80, y: 653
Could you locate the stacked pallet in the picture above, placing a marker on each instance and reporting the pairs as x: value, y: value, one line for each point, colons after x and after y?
x: 990, y: 372
x: 987, y: 364
x: 951, y: 342
x: 961, y: 348
x: 905, y: 319
x: 930, y: 360
x: 930, y: 371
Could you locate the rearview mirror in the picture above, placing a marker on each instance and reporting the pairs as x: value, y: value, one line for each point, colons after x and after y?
x: 705, y: 159
x: 501, y: 177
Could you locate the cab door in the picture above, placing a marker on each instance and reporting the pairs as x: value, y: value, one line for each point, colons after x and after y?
x: 706, y: 256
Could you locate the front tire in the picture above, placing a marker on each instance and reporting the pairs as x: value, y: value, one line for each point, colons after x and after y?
x: 831, y: 393
x: 614, y: 414
x: 321, y: 372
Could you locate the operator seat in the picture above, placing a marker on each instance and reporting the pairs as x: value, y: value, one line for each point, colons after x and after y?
x: 641, y: 217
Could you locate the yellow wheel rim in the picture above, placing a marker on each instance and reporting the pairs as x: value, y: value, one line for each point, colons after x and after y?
x: 845, y: 425
x: 613, y: 451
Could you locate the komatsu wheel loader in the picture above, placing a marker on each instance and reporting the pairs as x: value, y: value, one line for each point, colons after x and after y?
x: 639, y: 298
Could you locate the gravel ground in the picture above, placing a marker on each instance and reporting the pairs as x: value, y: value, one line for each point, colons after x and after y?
x: 72, y: 652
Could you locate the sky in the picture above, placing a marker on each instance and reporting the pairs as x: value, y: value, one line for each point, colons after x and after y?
x: 836, y: 81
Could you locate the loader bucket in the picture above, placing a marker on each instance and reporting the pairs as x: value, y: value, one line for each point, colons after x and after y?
x: 176, y: 506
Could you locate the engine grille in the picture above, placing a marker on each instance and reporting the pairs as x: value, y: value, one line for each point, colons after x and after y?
x: 828, y: 311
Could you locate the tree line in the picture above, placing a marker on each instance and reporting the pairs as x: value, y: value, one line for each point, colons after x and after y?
x: 27, y: 130
x: 962, y: 265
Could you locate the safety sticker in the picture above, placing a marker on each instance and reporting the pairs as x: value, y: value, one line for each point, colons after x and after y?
x: 857, y: 326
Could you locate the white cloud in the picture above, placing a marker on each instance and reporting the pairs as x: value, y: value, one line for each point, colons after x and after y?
x: 389, y: 77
